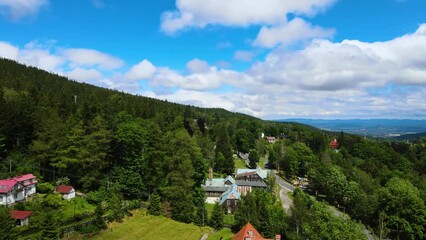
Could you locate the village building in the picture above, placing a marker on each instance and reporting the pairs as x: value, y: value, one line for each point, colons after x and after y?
x: 22, y: 217
x: 17, y: 189
x: 271, y: 139
x: 228, y: 200
x: 248, y: 232
x: 334, y: 144
x: 66, y: 191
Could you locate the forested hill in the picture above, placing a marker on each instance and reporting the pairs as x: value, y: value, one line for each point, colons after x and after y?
x: 119, y: 148
x: 65, y: 128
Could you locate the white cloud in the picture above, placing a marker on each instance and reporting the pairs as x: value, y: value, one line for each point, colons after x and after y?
x: 197, y: 66
x: 9, y: 51
x: 143, y: 70
x: 84, y: 75
x: 245, y: 56
x: 289, y: 33
x: 90, y: 58
x: 16, y: 9
x: 199, y: 14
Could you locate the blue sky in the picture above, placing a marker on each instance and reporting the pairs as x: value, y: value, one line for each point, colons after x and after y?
x: 272, y: 59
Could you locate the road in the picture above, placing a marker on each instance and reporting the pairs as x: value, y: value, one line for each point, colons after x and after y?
x: 286, y: 187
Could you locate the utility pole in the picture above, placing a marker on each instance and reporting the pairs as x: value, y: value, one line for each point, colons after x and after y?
x: 10, y: 165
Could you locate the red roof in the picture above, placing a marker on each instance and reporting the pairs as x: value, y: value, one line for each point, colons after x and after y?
x: 334, y: 144
x: 21, y: 215
x: 7, y: 184
x: 25, y: 177
x: 248, y: 232
x: 64, y: 189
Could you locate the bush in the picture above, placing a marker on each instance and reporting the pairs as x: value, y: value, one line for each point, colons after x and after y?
x: 45, y: 187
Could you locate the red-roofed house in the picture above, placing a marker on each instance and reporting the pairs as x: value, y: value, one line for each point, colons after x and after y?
x: 334, y: 144
x: 29, y: 182
x: 21, y: 217
x: 248, y: 232
x: 66, y: 191
x: 17, y: 189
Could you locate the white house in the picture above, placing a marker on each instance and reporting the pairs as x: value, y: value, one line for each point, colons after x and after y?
x: 17, y: 189
x: 21, y: 217
x: 66, y: 191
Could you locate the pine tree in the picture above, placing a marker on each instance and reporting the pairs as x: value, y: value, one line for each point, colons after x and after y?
x: 216, y: 220
x: 224, y: 147
x: 99, y: 220
x: 154, y: 207
x: 50, y: 225
x: 8, y: 227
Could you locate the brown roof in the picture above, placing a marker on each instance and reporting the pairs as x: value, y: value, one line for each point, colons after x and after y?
x: 21, y: 215
x: 64, y: 189
x: 248, y: 232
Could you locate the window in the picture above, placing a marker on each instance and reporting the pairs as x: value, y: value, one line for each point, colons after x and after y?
x: 1, y: 199
x: 228, y: 202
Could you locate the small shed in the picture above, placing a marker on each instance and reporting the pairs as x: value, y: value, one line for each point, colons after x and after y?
x: 66, y: 191
x: 22, y: 217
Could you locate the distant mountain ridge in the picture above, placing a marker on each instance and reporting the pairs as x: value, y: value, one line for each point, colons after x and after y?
x: 370, y: 127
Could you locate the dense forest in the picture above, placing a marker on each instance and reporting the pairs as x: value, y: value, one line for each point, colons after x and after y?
x: 116, y: 147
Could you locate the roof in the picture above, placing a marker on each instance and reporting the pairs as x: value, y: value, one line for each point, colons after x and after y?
x: 230, y: 179
x: 271, y: 138
x: 25, y: 177
x: 251, y: 183
x: 248, y: 231
x: 215, y: 182
x: 231, y: 193
x: 215, y: 189
x: 64, y: 189
x: 261, y: 172
x: 7, y: 184
x: 21, y: 215
x: 334, y: 144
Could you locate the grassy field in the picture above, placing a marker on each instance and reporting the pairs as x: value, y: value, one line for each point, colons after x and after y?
x: 142, y: 226
x: 224, y: 234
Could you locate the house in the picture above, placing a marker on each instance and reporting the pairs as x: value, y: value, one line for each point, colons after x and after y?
x: 248, y: 232
x: 66, y: 191
x: 271, y: 139
x: 334, y: 144
x: 215, y: 187
x: 17, y: 189
x: 228, y: 200
x: 29, y: 182
x: 22, y: 217
x: 252, y: 175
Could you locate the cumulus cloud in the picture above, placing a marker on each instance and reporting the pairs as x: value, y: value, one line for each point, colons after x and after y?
x: 9, y: 51
x: 290, y: 33
x: 16, y: 9
x: 199, y: 14
x: 197, y: 66
x: 143, y: 70
x: 84, y: 75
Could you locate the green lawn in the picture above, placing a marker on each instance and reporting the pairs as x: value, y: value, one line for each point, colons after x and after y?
x: 224, y: 234
x: 239, y: 163
x: 142, y: 226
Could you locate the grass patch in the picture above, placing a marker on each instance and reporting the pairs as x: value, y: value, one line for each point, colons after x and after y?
x: 223, y: 234
x: 239, y: 163
x: 142, y: 226
x: 262, y: 162
x: 80, y: 205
